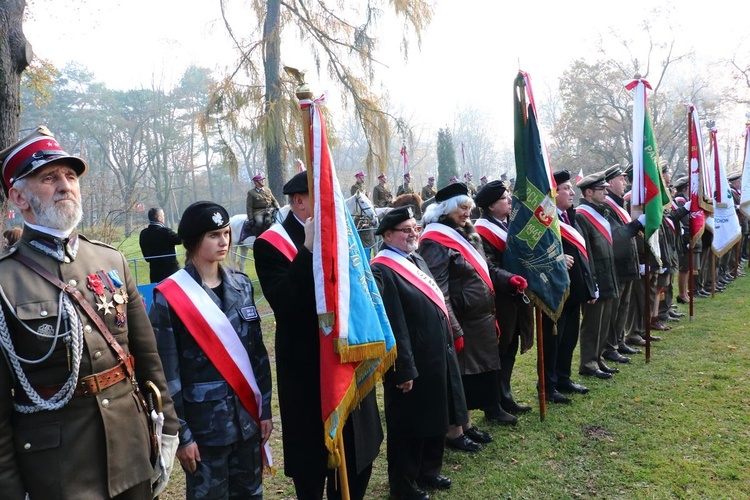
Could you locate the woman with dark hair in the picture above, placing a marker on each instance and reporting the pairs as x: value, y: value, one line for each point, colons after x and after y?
x: 11, y: 237
x: 209, y: 338
x: 453, y: 252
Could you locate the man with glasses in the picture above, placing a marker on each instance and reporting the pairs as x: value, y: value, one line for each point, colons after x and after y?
x: 425, y: 379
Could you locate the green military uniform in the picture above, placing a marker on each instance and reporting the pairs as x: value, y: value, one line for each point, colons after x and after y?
x: 258, y: 200
x: 404, y: 189
x: 382, y: 196
x: 358, y: 187
x: 428, y: 192
x: 94, y: 445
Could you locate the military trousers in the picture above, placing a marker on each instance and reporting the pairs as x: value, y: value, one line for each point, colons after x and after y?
x: 232, y: 471
x: 594, y: 330
x: 635, y: 326
x: 619, y: 318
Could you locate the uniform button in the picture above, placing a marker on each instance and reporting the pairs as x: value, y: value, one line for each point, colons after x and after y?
x: 27, y: 446
x: 105, y: 403
x: 43, y: 314
x: 87, y: 329
x: 66, y: 260
x: 97, y: 354
x: 72, y: 282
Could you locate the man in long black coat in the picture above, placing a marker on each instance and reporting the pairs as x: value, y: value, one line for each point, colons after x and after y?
x: 157, y: 245
x: 417, y: 389
x: 283, y: 260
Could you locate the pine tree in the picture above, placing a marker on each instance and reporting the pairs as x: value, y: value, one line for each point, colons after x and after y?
x: 446, y: 154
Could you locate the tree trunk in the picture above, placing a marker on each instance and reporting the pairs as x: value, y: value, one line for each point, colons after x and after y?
x: 15, y: 56
x: 271, y: 63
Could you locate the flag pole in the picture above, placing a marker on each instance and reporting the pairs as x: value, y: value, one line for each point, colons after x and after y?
x: 647, y: 297
x: 342, y: 473
x: 691, y: 278
x: 540, y: 365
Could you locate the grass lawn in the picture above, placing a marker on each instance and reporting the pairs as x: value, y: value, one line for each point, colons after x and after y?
x: 677, y: 427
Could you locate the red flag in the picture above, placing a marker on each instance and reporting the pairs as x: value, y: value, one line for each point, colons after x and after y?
x: 696, y: 161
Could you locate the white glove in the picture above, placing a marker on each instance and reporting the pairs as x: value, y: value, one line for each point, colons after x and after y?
x: 163, y: 468
x: 662, y: 270
x: 642, y: 219
x: 688, y: 204
x: 642, y: 269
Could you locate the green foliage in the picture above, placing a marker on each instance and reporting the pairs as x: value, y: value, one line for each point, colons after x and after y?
x: 446, y: 155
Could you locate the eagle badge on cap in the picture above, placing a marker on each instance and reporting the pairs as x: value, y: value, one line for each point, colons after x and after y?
x: 410, y: 212
x: 218, y: 219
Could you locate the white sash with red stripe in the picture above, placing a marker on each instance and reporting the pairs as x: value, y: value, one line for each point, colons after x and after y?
x: 216, y: 336
x: 575, y: 238
x: 494, y: 234
x: 415, y: 276
x: 598, y: 221
x: 670, y: 223
x: 450, y: 238
x: 624, y: 215
x: 277, y: 236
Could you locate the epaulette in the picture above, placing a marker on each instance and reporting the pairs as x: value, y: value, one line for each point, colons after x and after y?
x: 97, y: 242
x: 7, y: 252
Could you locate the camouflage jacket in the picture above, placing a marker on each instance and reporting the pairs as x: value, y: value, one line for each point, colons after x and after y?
x: 207, y: 407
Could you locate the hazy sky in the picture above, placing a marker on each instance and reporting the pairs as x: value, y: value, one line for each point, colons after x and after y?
x: 469, y: 56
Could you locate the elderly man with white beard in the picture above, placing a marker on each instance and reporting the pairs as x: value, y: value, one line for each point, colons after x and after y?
x: 71, y: 392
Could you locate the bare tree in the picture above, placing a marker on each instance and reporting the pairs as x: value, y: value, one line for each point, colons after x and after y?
x: 15, y: 56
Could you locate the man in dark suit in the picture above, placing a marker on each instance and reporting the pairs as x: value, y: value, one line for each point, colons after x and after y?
x: 558, y: 349
x: 284, y: 262
x: 417, y: 389
x: 71, y: 424
x: 157, y: 245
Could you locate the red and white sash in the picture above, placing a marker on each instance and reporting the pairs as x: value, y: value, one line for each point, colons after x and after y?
x: 216, y: 336
x: 450, y: 238
x: 597, y: 220
x: 573, y: 237
x: 670, y: 223
x: 277, y: 236
x: 624, y: 215
x: 494, y: 234
x: 411, y: 273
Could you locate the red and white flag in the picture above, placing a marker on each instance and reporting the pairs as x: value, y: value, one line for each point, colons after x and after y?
x: 699, y: 181
x: 745, y: 195
x: 579, y: 177
x: 726, y: 224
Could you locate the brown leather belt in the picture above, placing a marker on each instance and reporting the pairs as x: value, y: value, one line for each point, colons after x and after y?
x: 86, y: 386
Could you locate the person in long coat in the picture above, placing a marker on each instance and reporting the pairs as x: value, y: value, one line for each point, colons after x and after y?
x: 418, y: 389
x: 514, y: 317
x: 220, y: 440
x: 453, y: 251
x: 283, y: 259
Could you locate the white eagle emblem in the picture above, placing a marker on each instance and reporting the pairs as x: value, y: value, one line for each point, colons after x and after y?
x: 217, y: 218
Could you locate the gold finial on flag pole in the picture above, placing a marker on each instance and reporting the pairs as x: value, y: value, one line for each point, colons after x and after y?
x: 304, y: 93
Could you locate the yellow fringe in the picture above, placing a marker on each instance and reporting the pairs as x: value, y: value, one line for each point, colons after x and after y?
x: 360, y: 352
x: 326, y: 320
x: 554, y: 315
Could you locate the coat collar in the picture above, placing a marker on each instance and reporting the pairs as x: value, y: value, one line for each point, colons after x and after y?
x: 231, y: 290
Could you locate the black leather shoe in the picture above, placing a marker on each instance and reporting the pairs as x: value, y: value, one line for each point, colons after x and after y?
x: 571, y: 387
x: 514, y: 408
x: 434, y: 483
x: 607, y: 369
x: 463, y: 443
x: 557, y: 397
x: 635, y: 341
x: 680, y: 300
x: 626, y: 349
x: 478, y: 436
x: 616, y: 357
x: 501, y: 418
x: 677, y: 314
x: 595, y: 373
x: 414, y: 495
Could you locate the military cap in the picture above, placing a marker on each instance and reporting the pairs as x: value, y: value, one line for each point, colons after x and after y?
x: 504, y: 177
x: 612, y: 172
x: 593, y: 181
x: 258, y: 177
x: 452, y: 190
x: 297, y: 184
x: 561, y: 176
x: 407, y: 175
x: 681, y: 181
x: 629, y: 172
x: 467, y: 175
x: 32, y: 153
x: 453, y: 180
x: 483, y: 178
x: 734, y: 176
x: 490, y: 193
x: 382, y: 176
x: 394, y: 217
x: 431, y: 178
x: 200, y: 218
x: 360, y: 174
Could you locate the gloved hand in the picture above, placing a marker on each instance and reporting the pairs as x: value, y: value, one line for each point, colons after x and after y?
x: 642, y: 269
x: 642, y: 220
x: 459, y: 343
x: 688, y: 204
x: 519, y: 283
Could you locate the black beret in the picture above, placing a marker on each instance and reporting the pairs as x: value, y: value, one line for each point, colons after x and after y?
x: 561, y: 176
x: 395, y: 217
x: 452, y: 190
x: 297, y: 184
x: 612, y: 172
x: 200, y: 218
x: 490, y: 193
x: 593, y: 181
x: 734, y: 176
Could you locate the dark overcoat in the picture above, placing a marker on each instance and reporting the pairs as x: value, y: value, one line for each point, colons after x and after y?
x: 582, y: 282
x: 289, y: 288
x: 470, y: 302
x: 157, y: 245
x: 624, y: 244
x: 95, y: 446
x: 424, y: 345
